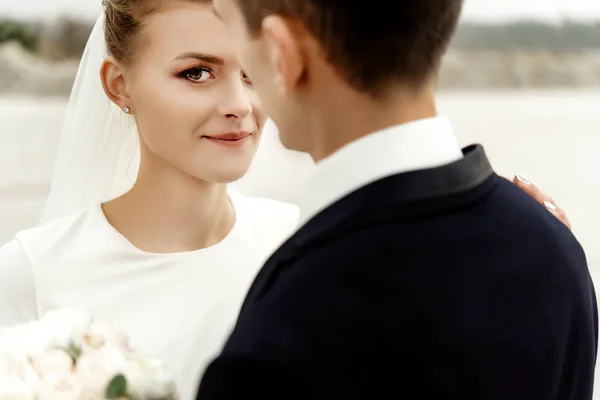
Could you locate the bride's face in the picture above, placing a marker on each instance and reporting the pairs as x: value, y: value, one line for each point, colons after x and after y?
x: 195, y: 108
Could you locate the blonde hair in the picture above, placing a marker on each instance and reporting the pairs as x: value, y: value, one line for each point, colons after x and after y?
x: 123, y: 22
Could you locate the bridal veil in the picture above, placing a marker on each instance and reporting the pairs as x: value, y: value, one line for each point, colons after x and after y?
x: 98, y: 154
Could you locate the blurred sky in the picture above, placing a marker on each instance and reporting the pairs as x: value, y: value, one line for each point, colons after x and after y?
x: 479, y: 10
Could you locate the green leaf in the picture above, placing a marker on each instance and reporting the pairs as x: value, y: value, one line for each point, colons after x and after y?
x: 116, y: 388
x: 74, y: 350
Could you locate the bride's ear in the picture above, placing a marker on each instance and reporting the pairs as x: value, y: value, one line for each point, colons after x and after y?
x: 113, y: 82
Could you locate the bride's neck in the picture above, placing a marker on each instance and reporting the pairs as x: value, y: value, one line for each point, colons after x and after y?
x: 168, y: 211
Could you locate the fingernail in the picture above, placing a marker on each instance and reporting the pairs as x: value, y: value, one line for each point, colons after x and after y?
x: 549, y: 206
x: 523, y: 180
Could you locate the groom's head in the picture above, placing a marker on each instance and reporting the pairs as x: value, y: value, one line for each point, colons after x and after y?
x: 302, y: 52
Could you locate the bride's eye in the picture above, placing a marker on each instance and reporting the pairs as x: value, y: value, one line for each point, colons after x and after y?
x: 197, y: 75
x: 246, y: 78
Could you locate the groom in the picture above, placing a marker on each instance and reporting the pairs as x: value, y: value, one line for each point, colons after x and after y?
x: 418, y: 273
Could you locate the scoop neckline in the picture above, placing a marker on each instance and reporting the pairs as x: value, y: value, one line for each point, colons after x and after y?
x: 222, y: 243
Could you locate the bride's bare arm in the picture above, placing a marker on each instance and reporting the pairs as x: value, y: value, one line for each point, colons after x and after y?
x: 17, y: 288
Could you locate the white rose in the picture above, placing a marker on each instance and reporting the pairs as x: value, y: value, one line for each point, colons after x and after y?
x: 18, y: 380
x: 66, y: 325
x: 101, y: 333
x: 148, y: 378
x: 18, y: 367
x: 61, y: 387
x: 12, y: 388
x: 9, y: 341
x: 96, y: 368
x: 52, y: 362
x: 25, y: 340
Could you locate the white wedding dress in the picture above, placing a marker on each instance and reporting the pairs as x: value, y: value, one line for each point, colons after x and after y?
x: 177, y: 307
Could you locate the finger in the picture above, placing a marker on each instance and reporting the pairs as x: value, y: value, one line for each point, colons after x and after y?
x: 561, y: 215
x: 528, y: 187
x: 557, y: 212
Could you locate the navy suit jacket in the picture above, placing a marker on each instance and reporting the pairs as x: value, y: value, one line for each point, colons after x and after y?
x: 446, y: 283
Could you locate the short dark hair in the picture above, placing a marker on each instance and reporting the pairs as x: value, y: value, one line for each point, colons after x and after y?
x: 373, y: 43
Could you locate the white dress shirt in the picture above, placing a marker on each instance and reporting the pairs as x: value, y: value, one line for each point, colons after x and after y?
x: 416, y: 145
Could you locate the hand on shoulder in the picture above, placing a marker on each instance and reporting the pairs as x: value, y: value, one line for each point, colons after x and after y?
x: 528, y: 187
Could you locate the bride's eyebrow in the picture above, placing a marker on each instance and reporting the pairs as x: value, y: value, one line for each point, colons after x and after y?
x: 207, y: 58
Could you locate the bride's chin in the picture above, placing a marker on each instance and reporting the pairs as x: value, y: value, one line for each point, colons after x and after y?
x: 226, y: 175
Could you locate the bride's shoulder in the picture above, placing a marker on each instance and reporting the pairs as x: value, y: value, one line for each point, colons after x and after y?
x: 267, y: 214
x: 55, y: 232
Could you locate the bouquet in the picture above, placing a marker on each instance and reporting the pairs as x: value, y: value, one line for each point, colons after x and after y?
x: 69, y: 356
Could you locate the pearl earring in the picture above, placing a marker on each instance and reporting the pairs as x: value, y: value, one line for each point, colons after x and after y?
x: 126, y: 110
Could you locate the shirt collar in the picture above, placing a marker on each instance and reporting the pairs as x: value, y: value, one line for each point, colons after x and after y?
x: 417, y: 145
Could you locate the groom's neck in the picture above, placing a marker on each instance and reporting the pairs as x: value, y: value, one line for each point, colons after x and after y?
x: 344, y: 119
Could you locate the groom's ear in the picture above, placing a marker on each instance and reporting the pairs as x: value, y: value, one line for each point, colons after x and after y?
x: 285, y: 49
x: 113, y: 82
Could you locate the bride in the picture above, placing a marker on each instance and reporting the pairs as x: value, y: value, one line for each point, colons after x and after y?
x: 140, y: 227
x: 152, y: 241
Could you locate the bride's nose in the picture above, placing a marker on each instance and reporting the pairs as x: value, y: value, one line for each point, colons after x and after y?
x: 235, y: 102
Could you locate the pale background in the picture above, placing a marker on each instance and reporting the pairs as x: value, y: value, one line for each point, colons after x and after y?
x: 550, y: 133
x: 483, y: 10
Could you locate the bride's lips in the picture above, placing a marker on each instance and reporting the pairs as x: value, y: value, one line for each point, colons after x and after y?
x: 229, y: 139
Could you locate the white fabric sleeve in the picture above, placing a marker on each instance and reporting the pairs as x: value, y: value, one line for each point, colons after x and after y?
x: 18, y: 300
